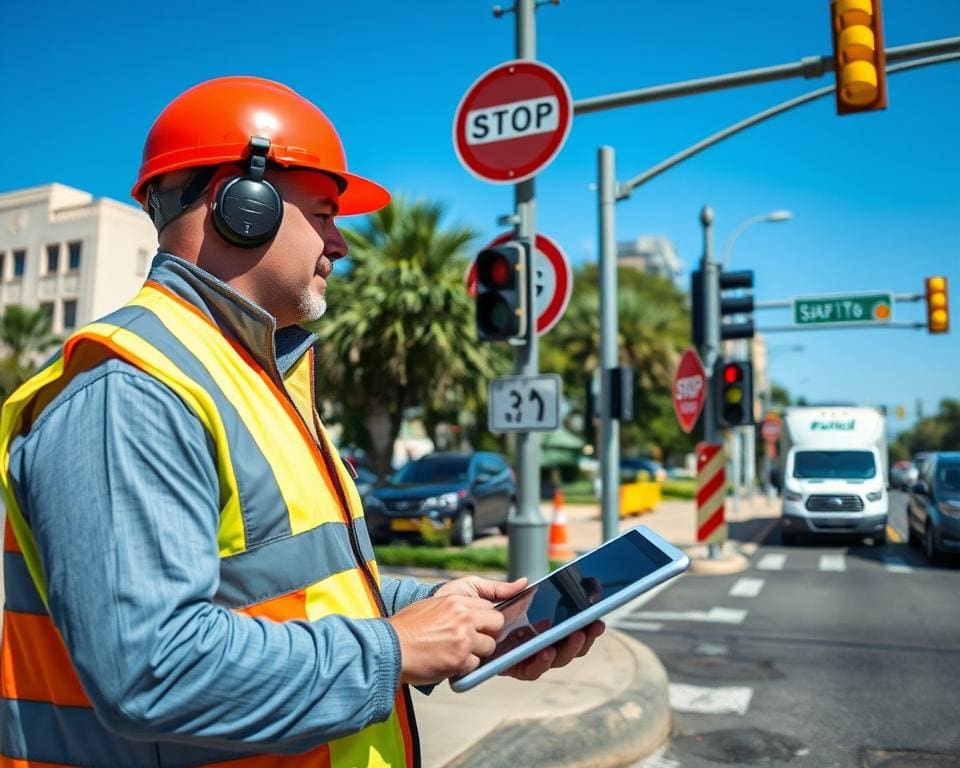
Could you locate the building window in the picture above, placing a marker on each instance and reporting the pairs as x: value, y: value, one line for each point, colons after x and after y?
x: 53, y: 258
x: 73, y: 261
x: 47, y: 307
x: 19, y: 263
x: 3, y: 265
x: 70, y: 313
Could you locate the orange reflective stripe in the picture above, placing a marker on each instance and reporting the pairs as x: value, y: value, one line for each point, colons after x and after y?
x: 400, y: 707
x: 12, y: 762
x: 34, y: 663
x: 315, y: 758
x: 283, y: 608
x: 10, y: 543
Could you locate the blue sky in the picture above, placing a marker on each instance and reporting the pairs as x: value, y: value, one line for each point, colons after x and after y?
x: 874, y: 196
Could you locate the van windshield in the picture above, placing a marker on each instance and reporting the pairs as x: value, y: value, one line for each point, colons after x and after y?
x: 834, y: 465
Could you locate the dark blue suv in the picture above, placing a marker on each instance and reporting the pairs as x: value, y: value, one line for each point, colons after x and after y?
x: 464, y: 492
x: 933, y: 510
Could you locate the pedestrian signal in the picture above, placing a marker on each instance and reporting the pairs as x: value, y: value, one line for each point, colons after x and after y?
x: 858, y: 55
x: 501, y: 292
x: 938, y: 305
x: 733, y: 393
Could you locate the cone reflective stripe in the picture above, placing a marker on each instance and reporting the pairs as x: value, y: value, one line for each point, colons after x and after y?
x: 560, y: 548
x: 711, y: 486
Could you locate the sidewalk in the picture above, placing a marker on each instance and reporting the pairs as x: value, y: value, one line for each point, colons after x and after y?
x: 609, y: 709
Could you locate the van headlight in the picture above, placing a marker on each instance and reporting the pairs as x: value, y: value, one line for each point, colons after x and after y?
x: 874, y: 495
x: 792, y: 495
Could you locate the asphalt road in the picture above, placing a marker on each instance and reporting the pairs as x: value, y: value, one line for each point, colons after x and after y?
x: 828, y: 654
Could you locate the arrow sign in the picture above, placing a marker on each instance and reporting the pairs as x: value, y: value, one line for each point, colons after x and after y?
x: 689, y: 390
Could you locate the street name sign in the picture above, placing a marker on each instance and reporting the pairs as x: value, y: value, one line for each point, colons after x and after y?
x: 553, y: 279
x: 844, y: 309
x: 524, y: 403
x: 689, y: 390
x: 512, y: 121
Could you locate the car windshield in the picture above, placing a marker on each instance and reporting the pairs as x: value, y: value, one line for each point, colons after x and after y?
x: 948, y: 479
x: 434, y: 469
x: 834, y: 465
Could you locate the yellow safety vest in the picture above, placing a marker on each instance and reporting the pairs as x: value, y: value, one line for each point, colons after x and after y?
x: 286, y: 502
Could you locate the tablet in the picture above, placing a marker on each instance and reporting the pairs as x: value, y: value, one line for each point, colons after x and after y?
x: 577, y: 594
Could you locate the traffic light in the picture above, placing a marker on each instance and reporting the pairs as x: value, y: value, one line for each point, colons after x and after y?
x: 733, y: 392
x: 858, y: 55
x: 736, y: 305
x: 938, y: 306
x: 501, y: 292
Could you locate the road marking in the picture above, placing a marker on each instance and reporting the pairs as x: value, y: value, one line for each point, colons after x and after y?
x: 895, y: 564
x: 711, y: 649
x: 892, y: 534
x: 638, y: 626
x: 765, y: 531
x: 772, y: 562
x: 730, y: 700
x: 713, y: 616
x: 832, y: 563
x: 746, y: 588
x: 628, y: 609
x: 659, y: 759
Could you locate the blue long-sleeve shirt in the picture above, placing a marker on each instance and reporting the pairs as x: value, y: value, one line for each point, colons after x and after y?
x: 118, y: 481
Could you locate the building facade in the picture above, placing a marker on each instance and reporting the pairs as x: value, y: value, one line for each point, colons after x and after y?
x: 653, y: 254
x: 73, y: 256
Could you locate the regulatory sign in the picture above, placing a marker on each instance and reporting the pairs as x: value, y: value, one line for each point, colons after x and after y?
x: 770, y: 427
x: 512, y: 121
x: 553, y: 276
x: 524, y: 403
x: 844, y: 309
x: 689, y: 389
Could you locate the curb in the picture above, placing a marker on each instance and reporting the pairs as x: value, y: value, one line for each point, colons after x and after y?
x: 626, y: 728
x: 731, y: 560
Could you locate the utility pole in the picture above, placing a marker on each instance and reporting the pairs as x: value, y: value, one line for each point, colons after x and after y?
x: 527, y: 540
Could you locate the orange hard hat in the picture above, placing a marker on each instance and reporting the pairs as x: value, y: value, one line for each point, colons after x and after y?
x: 213, y: 123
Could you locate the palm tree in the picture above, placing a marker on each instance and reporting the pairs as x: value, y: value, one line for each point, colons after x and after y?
x: 24, y: 336
x: 400, y: 328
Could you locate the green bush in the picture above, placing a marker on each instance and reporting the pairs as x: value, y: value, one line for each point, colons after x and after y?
x: 679, y: 489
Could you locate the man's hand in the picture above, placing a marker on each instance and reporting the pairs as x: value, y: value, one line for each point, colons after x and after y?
x: 475, y: 586
x: 557, y: 655
x: 445, y: 636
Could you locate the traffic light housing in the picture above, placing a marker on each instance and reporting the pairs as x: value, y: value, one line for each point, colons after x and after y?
x: 741, y: 304
x: 938, y: 305
x: 501, y: 292
x: 858, y: 55
x: 733, y: 392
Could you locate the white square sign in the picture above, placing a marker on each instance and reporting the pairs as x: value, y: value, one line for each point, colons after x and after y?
x: 524, y: 403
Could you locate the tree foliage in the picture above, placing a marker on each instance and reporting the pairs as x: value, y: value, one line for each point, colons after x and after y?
x: 24, y: 336
x: 940, y: 432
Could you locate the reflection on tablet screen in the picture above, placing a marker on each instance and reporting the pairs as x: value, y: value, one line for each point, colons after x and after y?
x: 570, y: 590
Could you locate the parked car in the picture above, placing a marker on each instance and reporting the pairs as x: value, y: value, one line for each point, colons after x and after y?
x: 903, y: 475
x: 466, y: 492
x: 933, y: 509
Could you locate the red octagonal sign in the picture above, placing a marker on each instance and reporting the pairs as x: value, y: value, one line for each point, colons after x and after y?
x: 512, y: 121
x: 689, y: 389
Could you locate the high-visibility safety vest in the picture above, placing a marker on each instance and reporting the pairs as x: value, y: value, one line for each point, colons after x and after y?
x: 288, y: 517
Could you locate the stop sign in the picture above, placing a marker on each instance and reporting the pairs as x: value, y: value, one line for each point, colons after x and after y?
x: 770, y: 427
x: 689, y: 389
x: 512, y: 121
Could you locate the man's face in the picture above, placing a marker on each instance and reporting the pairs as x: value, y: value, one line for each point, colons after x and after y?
x: 293, y: 271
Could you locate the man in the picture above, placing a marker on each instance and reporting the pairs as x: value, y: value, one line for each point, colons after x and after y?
x: 189, y: 579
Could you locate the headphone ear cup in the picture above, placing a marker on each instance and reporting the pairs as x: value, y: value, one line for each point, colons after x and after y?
x: 247, y: 212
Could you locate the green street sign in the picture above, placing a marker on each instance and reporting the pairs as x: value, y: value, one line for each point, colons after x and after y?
x: 844, y: 309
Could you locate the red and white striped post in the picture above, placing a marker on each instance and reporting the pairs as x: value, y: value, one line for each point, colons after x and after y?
x: 711, y: 488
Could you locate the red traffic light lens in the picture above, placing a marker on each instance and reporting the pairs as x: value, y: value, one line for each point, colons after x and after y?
x: 499, y: 271
x: 732, y: 374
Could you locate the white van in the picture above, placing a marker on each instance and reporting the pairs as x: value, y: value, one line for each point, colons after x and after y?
x: 834, y: 472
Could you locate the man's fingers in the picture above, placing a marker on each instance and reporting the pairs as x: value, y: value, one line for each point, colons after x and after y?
x: 569, y: 648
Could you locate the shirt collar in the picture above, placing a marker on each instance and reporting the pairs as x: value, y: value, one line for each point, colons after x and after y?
x: 239, y: 318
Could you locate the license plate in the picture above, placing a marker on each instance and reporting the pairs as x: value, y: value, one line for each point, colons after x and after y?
x: 406, y: 524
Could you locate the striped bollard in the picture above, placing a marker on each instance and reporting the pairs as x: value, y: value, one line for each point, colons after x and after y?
x: 711, y: 488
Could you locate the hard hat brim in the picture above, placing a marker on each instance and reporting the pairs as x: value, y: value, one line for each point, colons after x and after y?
x: 361, y: 195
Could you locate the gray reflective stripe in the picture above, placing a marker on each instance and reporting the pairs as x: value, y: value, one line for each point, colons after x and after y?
x: 21, y: 593
x: 285, y: 565
x: 264, y: 513
x: 43, y: 732
x: 363, y: 537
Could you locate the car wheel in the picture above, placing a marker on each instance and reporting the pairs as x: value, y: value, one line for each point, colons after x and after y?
x: 511, y: 511
x: 930, y: 546
x: 912, y: 539
x: 462, y: 534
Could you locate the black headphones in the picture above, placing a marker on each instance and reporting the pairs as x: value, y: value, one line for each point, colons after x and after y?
x: 248, y: 209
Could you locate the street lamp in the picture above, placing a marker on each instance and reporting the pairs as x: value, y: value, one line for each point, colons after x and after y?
x: 743, y: 464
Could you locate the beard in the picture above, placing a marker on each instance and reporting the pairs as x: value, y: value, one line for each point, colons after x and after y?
x: 311, y: 306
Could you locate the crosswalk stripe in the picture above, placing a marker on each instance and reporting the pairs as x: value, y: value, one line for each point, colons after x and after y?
x: 659, y: 759
x: 895, y: 564
x: 772, y: 562
x: 639, y: 626
x: 729, y: 700
x: 715, y: 615
x: 746, y: 588
x: 832, y: 563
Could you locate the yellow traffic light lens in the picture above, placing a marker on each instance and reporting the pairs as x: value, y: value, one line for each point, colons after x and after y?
x: 857, y: 43
x: 733, y: 395
x: 859, y: 83
x: 936, y: 284
x: 855, y: 12
x: 938, y: 319
x: 937, y: 300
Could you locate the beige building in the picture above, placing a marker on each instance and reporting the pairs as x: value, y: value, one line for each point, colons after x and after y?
x: 74, y: 256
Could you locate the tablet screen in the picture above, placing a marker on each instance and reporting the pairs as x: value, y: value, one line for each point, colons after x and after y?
x: 587, y: 581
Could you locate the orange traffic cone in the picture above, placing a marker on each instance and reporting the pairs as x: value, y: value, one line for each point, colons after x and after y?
x: 560, y: 548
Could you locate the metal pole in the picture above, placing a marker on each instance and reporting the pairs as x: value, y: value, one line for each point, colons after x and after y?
x: 609, y: 426
x: 711, y: 333
x: 527, y: 540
